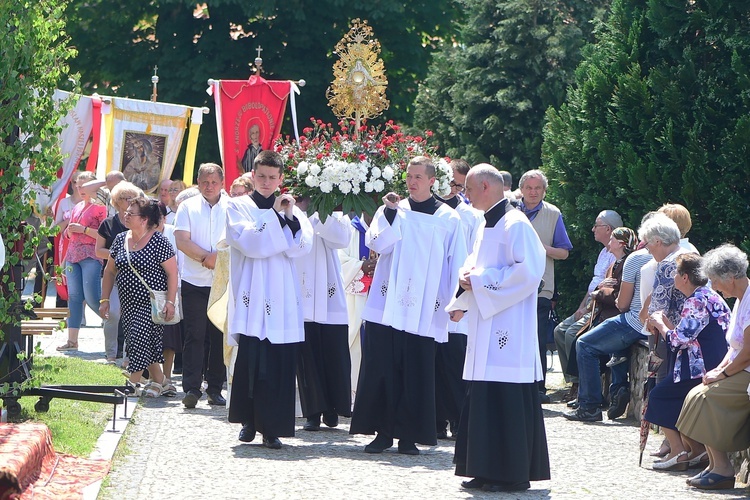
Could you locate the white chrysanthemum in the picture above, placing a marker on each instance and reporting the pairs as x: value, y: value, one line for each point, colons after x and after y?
x: 378, y: 185
x: 345, y: 187
x: 368, y: 187
x: 356, y: 189
x: 314, y: 169
x: 302, y: 168
x: 374, y: 173
x: 326, y: 186
x: 312, y: 181
x: 387, y: 173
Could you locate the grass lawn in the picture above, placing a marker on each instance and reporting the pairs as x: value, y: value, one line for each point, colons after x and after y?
x: 75, y: 425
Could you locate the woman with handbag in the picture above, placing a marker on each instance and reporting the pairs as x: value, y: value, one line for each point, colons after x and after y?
x: 144, y: 264
x: 696, y: 345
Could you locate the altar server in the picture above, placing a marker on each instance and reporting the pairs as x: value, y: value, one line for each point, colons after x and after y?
x: 420, y: 247
x: 324, y: 367
x: 501, y: 439
x: 265, y: 233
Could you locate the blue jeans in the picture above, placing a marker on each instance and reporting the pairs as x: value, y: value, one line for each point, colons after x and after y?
x: 84, y: 283
x: 611, y: 336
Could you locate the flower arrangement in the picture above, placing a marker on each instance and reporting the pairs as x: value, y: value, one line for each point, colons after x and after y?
x: 353, y: 168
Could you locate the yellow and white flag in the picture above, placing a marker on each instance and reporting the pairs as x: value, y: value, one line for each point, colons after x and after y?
x: 142, y: 139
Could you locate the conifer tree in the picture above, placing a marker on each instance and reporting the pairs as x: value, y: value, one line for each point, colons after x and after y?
x: 487, y: 93
x: 659, y: 112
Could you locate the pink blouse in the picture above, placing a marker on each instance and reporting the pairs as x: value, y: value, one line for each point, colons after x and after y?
x: 82, y: 246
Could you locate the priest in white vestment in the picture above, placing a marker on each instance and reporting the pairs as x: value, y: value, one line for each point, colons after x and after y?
x: 421, y: 248
x: 266, y: 233
x: 450, y: 388
x: 501, y: 441
x: 324, y: 366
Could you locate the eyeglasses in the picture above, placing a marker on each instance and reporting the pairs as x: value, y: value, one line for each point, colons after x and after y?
x: 601, y: 225
x: 456, y: 185
x: 131, y: 214
x: 174, y: 190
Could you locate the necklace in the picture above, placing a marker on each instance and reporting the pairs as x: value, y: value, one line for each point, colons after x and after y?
x: 135, y: 245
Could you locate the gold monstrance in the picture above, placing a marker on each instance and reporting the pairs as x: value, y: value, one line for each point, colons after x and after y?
x: 358, y: 88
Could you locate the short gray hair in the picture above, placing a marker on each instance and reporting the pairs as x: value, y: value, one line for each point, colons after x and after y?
x: 662, y: 227
x: 186, y: 193
x: 725, y: 262
x: 531, y: 174
x: 486, y: 172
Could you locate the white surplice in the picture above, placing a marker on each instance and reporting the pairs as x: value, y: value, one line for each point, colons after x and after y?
x: 417, y: 271
x: 471, y: 219
x: 506, y: 267
x: 319, y: 272
x: 265, y: 295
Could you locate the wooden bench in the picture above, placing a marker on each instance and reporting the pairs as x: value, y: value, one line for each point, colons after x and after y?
x: 49, y: 320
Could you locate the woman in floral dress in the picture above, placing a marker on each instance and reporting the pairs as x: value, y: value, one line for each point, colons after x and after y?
x: 697, y: 344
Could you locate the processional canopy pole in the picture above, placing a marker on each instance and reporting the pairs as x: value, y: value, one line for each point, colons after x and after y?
x: 358, y: 87
x: 154, y: 82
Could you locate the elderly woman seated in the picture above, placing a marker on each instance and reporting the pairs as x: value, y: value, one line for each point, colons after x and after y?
x: 717, y: 412
x: 695, y: 345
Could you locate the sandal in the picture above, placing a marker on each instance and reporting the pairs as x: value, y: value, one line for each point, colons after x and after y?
x: 169, y: 390
x: 713, y: 481
x: 68, y: 346
x: 126, y: 374
x: 133, y: 389
x: 663, y: 450
x: 153, y: 390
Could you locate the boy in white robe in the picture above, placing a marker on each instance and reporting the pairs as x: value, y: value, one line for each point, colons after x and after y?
x: 501, y: 439
x: 265, y: 234
x: 420, y: 247
x: 324, y: 366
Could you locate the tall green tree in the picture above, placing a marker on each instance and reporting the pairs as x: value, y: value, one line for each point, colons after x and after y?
x: 33, y: 58
x: 659, y: 112
x: 488, y: 90
x: 120, y: 43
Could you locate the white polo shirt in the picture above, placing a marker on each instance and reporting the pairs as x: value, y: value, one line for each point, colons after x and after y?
x: 206, y: 225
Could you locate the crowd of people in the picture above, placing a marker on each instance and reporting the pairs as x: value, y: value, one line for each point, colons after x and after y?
x: 429, y: 317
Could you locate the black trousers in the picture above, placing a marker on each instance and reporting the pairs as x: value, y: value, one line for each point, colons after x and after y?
x: 396, y: 389
x: 197, y: 329
x: 324, y: 369
x: 263, y: 386
x: 543, y: 307
x: 450, y: 387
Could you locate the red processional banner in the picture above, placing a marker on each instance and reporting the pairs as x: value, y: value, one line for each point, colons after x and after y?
x: 249, y: 115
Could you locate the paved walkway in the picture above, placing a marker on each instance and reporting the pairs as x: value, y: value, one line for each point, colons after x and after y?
x: 169, y: 452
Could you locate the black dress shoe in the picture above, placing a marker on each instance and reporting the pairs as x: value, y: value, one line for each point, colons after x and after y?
x: 272, y: 443
x: 501, y: 486
x: 331, y: 419
x: 407, y: 448
x: 312, y: 424
x: 247, y: 434
x: 379, y: 444
x: 544, y: 398
x: 191, y: 399
x: 474, y: 484
x: 215, y: 398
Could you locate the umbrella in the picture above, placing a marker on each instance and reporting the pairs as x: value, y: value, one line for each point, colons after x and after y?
x: 654, y: 362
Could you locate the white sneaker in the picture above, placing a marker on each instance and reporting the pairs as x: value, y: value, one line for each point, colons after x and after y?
x: 616, y: 360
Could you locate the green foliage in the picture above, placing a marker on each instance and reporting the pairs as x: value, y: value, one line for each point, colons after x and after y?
x: 121, y: 42
x: 75, y: 425
x: 658, y: 112
x: 488, y: 89
x: 33, y: 54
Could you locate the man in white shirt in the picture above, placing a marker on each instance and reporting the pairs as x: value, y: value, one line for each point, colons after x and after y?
x: 501, y: 441
x: 199, y: 226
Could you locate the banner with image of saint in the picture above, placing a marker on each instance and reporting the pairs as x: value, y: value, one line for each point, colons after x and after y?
x: 145, y: 140
x: 249, y: 114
